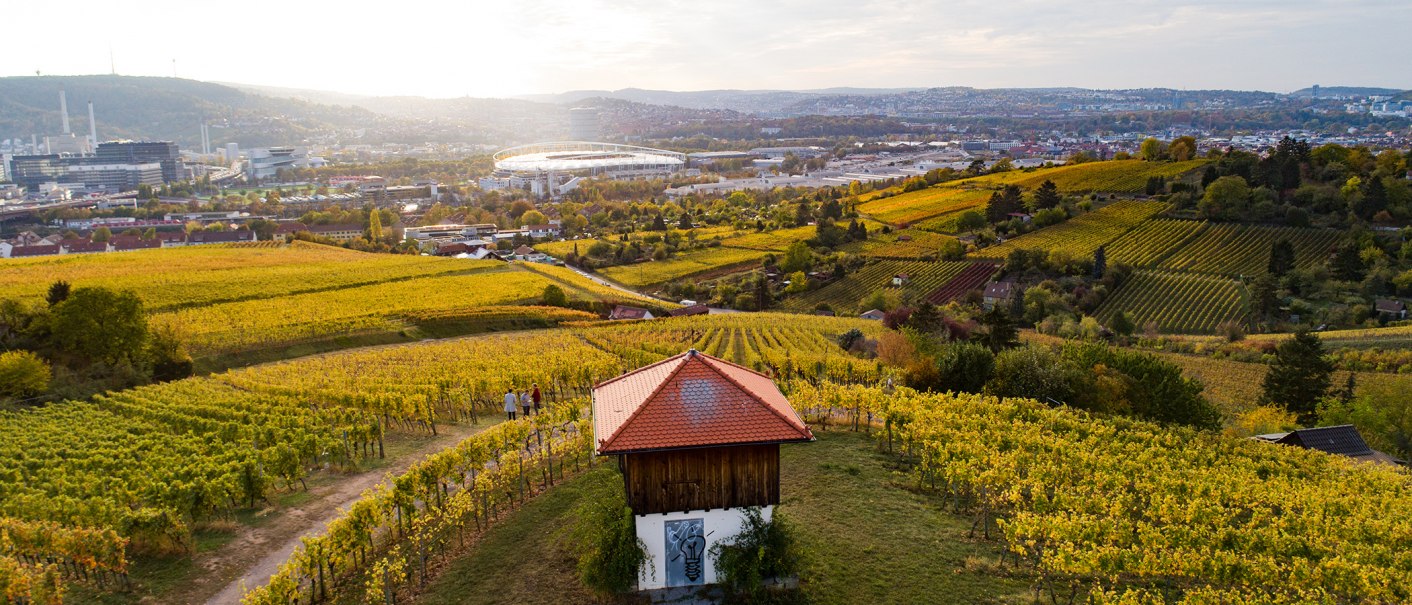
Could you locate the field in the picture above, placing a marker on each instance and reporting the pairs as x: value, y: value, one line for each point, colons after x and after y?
x: 914, y: 206
x: 234, y: 305
x: 1176, y: 302
x: 1119, y: 511
x: 1116, y: 176
x: 919, y: 245
x: 971, y: 278
x: 1245, y: 250
x: 1234, y: 386
x: 847, y: 293
x: 769, y: 241
x: 684, y: 265
x: 173, y: 278
x: 1081, y: 235
x: 1152, y: 241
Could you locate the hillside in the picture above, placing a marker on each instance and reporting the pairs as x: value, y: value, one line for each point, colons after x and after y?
x: 134, y: 107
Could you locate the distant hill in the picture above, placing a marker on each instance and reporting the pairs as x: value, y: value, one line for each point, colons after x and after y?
x: 1345, y: 91
x: 174, y: 109
x: 744, y: 101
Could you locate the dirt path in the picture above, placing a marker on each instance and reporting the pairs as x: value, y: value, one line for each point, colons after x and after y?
x: 256, y: 553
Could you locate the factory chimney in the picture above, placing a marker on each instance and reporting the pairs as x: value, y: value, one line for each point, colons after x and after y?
x: 92, y: 128
x: 64, y: 111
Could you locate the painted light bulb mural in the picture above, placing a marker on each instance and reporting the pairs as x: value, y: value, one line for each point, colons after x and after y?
x: 686, y: 551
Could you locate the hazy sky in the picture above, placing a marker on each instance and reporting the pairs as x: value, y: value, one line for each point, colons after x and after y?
x: 507, y: 47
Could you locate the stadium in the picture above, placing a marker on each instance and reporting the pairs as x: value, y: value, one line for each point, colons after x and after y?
x: 556, y: 168
x: 581, y: 158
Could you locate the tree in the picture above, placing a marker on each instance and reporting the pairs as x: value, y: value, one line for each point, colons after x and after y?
x: 1265, y: 297
x: 1227, y: 197
x: 1034, y: 372
x: 1002, y: 203
x: 535, y: 217
x: 762, y: 293
x: 925, y: 319
x: 797, y: 257
x: 964, y: 367
x: 1382, y: 413
x: 1047, y: 195
x: 374, y: 225
x: 802, y: 214
x: 1299, y: 377
x: 100, y: 324
x: 553, y: 296
x: 684, y: 221
x: 102, y: 234
x: 1182, y: 148
x: 970, y: 220
x: 998, y: 331
x: 1100, y: 262
x: 658, y: 223
x: 1281, y: 257
x: 1152, y: 150
x: 798, y: 282
x: 23, y: 374
x: 1347, y: 263
x: 1121, y: 325
x: 58, y: 292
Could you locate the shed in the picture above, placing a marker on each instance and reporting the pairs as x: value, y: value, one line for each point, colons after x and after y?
x: 697, y: 439
x: 1394, y: 309
x: 875, y: 314
x: 629, y: 312
x: 1343, y: 440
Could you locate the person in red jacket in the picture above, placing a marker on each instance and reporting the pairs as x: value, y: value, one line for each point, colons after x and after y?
x: 534, y: 395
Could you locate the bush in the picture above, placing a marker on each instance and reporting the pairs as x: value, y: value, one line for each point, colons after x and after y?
x: 554, y: 296
x: 761, y: 550
x: 23, y: 374
x: 847, y: 339
x: 965, y: 367
x: 611, y: 557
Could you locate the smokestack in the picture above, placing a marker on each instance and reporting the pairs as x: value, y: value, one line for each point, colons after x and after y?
x: 64, y: 111
x: 92, y: 128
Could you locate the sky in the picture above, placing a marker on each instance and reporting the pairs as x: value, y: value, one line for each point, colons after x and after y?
x: 511, y: 47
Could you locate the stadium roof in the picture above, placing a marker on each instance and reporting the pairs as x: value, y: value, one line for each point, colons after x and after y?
x: 571, y: 156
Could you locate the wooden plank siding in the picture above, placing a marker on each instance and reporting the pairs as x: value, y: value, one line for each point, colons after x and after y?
x: 702, y: 478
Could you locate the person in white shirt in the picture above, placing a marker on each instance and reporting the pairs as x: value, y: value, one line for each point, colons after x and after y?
x: 510, y: 401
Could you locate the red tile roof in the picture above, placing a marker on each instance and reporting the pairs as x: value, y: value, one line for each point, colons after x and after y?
x: 692, y: 400
x: 697, y: 309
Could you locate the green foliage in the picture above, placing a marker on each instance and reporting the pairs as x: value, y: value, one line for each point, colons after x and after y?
x: 23, y: 374
x: 1382, y: 413
x: 1149, y: 388
x: 605, y: 538
x: 1299, y: 377
x: 1034, y: 372
x: 554, y: 296
x: 100, y: 324
x: 58, y: 291
x: 964, y: 367
x: 849, y: 338
x: 1226, y: 198
x: 998, y: 330
x: 761, y: 550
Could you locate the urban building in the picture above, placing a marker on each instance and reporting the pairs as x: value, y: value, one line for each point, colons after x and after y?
x: 266, y: 162
x: 584, y: 124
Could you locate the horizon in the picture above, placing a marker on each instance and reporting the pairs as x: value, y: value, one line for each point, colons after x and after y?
x: 540, y: 48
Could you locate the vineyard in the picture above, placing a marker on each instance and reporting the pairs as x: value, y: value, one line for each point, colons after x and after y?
x: 1105, y: 510
x: 914, y: 206
x: 924, y: 277
x: 971, y: 278
x: 769, y: 241
x: 271, y: 322
x: 1152, y: 241
x: 1245, y: 249
x: 1081, y: 235
x: 1114, y: 176
x: 684, y: 265
x: 912, y: 244
x: 173, y: 278
x: 1176, y: 302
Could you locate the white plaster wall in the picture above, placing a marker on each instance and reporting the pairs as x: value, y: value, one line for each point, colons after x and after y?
x: 717, y: 524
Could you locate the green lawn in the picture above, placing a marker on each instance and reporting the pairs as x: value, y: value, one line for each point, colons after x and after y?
x: 864, y: 538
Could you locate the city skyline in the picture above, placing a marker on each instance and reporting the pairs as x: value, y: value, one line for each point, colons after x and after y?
x: 536, y: 47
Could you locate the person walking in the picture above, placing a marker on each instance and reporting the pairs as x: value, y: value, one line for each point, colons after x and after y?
x: 536, y: 397
x: 526, y: 402
x: 510, y: 401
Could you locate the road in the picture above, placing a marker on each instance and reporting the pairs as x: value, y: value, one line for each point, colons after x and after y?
x: 616, y: 286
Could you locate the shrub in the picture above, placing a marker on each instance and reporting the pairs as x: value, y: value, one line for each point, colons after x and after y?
x: 22, y: 374
x: 610, y: 555
x: 554, y: 296
x: 761, y: 550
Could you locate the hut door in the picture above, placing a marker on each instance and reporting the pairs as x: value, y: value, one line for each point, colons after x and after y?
x: 686, y: 552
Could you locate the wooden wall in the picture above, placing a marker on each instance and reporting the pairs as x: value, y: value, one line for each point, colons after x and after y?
x: 702, y: 479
